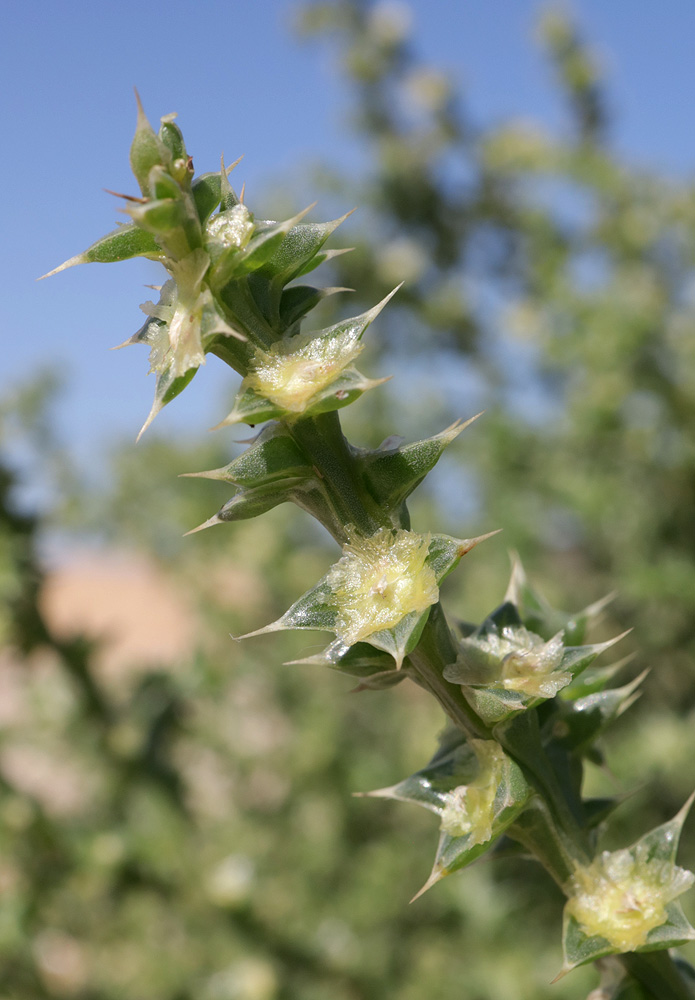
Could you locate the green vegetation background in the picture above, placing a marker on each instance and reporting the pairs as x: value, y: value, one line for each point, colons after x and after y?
x: 214, y: 851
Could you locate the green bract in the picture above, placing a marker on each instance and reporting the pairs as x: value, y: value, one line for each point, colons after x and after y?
x: 475, y: 789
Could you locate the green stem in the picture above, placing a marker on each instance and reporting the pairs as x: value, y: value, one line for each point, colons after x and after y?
x: 427, y: 662
x: 520, y: 737
x: 657, y: 974
x: 321, y: 439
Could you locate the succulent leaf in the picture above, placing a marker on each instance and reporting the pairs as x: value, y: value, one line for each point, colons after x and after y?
x: 121, y: 244
x: 360, y: 660
x: 298, y: 300
x: 272, y: 456
x: 297, y: 250
x: 207, y: 193
x: 503, y: 667
x: 578, y: 723
x: 172, y: 137
x: 179, y: 329
x: 247, y: 503
x: 391, y: 473
x: 321, y: 258
x: 238, y: 245
x: 147, y: 149
x: 539, y: 616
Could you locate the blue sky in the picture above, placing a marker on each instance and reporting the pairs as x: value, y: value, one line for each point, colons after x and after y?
x: 242, y: 83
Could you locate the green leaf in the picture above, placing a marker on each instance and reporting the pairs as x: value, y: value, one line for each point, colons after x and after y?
x: 273, y: 456
x: 160, y: 215
x: 390, y: 474
x: 359, y: 660
x: 298, y: 300
x: 163, y: 185
x: 235, y: 261
x: 576, y: 724
x: 252, y: 408
x: 120, y: 244
x: 321, y: 258
x: 593, y: 680
x: 403, y: 637
x: 314, y: 610
x: 504, y: 668
x: 538, y: 616
x: 147, y: 150
x: 298, y: 248
x: 172, y: 137
x: 247, y: 503
x: 206, y: 191
x: 580, y: 948
x: 168, y: 386
x: 270, y: 472
x: 345, y: 601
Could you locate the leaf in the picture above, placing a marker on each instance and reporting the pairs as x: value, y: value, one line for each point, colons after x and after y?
x: 314, y: 610
x: 580, y: 948
x: 206, y: 191
x: 252, y: 408
x: 345, y: 599
x: 146, y: 150
x: 298, y: 300
x: 360, y: 660
x: 121, y: 244
x: 272, y: 457
x: 594, y: 680
x: 247, y: 503
x: 235, y: 261
x: 504, y: 668
x: 576, y: 724
x: 168, y: 386
x: 538, y: 615
x: 298, y: 248
x: 321, y: 258
x: 172, y: 137
x: 391, y: 474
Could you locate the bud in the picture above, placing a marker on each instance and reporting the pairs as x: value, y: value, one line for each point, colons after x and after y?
x: 515, y: 660
x: 147, y: 150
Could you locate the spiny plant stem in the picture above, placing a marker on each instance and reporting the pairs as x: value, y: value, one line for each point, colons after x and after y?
x: 524, y: 713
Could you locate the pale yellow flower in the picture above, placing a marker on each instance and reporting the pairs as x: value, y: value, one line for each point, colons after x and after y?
x: 622, y: 895
x: 292, y: 371
x: 379, y: 580
x: 469, y: 809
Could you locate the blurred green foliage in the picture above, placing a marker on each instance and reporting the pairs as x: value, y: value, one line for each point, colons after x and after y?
x: 190, y: 834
